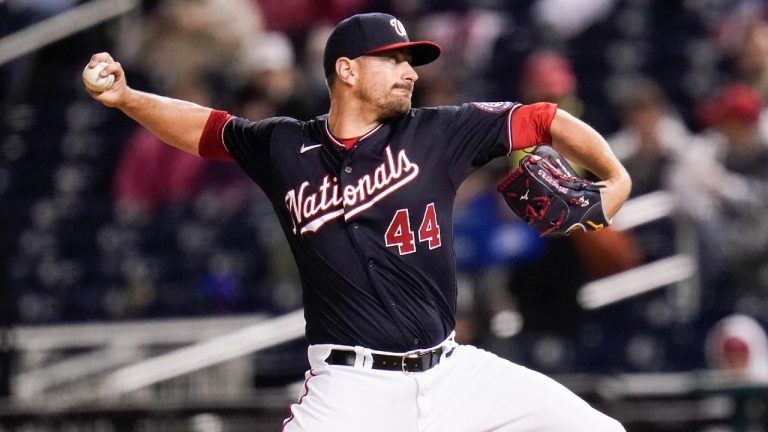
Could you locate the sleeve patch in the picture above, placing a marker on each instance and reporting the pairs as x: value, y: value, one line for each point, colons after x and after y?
x: 492, y: 107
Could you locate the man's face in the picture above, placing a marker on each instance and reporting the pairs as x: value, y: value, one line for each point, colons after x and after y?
x: 386, y: 82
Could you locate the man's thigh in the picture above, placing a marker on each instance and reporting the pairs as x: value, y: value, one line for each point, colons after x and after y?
x: 479, y: 391
x: 341, y: 398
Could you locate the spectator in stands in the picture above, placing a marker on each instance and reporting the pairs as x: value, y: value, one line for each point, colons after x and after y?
x: 750, y: 60
x: 270, y: 67
x: 648, y: 142
x: 752, y: 57
x: 650, y: 136
x: 567, y: 18
x: 548, y: 76
x: 466, y: 33
x: 192, y: 40
x: 737, y: 346
x: 732, y: 145
x: 724, y: 184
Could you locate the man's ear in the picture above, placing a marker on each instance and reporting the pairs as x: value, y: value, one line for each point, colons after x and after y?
x: 346, y: 70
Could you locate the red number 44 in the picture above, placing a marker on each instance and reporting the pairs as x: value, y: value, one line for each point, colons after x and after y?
x: 399, y: 231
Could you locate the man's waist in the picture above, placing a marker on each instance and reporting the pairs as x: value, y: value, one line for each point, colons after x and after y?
x: 418, y: 360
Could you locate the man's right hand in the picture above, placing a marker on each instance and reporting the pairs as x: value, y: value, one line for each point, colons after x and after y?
x: 118, y: 92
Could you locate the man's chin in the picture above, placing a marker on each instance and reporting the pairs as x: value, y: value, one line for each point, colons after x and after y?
x: 396, y: 110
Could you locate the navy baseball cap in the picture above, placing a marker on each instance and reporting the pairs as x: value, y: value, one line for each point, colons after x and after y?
x: 371, y: 33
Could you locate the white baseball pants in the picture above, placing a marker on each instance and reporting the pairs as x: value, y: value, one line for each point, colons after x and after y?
x: 472, y: 390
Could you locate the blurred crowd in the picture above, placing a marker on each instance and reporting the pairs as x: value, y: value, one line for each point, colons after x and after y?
x: 107, y: 223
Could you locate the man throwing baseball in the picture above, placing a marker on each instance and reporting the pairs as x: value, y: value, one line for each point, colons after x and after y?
x: 364, y: 195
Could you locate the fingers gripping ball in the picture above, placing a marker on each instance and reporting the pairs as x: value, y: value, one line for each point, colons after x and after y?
x: 95, y: 82
x: 546, y: 193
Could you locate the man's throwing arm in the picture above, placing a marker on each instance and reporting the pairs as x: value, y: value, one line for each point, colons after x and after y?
x: 175, y: 122
x: 581, y: 144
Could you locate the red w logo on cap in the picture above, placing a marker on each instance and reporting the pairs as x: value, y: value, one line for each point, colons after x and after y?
x: 398, y: 26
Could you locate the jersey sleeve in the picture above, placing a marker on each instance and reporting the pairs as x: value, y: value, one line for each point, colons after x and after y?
x: 480, y: 131
x: 211, y: 145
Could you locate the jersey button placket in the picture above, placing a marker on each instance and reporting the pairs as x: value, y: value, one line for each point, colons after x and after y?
x: 348, y: 169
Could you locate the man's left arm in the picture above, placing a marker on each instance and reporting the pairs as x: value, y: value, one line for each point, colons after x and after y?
x: 583, y: 145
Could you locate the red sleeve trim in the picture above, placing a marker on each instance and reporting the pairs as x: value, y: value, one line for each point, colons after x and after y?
x: 211, y: 145
x: 530, y: 124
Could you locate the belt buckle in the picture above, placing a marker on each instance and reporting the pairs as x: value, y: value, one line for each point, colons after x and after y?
x: 412, y: 355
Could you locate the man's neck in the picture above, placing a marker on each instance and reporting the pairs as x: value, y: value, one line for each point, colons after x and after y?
x: 348, y: 120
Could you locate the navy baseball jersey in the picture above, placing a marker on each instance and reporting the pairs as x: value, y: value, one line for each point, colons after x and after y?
x: 370, y: 226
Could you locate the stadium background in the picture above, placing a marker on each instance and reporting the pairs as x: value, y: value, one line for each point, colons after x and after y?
x: 143, y: 289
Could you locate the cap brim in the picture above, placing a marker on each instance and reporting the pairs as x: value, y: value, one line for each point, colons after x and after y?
x: 422, y: 52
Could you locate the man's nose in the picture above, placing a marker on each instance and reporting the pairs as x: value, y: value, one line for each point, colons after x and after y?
x: 410, y: 73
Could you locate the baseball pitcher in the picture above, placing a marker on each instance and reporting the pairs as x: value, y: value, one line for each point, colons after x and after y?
x: 364, y: 195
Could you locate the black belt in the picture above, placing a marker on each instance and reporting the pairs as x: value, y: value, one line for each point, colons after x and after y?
x: 418, y: 361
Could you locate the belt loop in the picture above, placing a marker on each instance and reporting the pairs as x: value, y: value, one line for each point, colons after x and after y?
x: 367, y: 358
x: 449, y: 346
x: 451, y: 341
x: 359, y: 357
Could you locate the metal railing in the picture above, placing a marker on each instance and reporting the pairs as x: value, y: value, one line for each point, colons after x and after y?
x: 680, y: 270
x: 104, y: 347
x: 61, y: 26
x: 204, y: 354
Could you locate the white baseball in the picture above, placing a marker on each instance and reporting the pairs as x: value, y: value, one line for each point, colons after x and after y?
x: 94, y: 81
